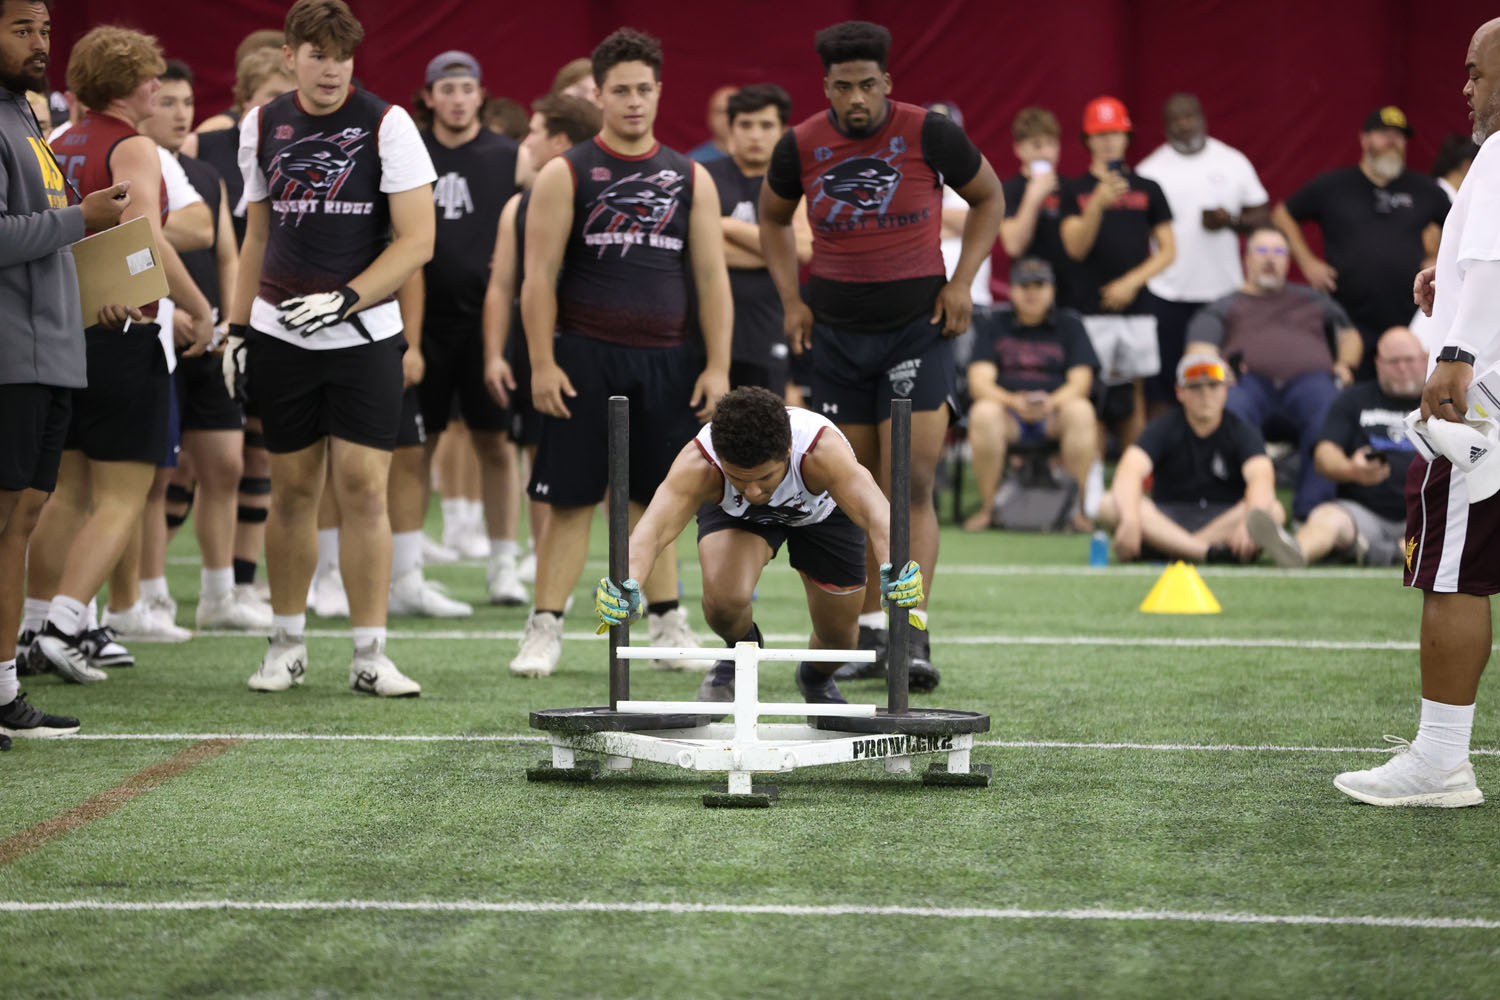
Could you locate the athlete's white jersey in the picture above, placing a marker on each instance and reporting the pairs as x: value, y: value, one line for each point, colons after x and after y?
x: 792, y: 503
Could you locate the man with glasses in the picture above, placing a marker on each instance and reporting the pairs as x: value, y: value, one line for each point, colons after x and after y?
x: 1208, y: 470
x: 1291, y: 350
x: 1364, y: 450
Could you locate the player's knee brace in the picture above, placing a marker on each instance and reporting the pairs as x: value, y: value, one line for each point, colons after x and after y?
x: 246, y: 514
x: 178, y: 495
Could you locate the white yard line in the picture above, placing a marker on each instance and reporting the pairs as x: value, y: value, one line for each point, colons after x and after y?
x: 530, y: 738
x: 691, y: 909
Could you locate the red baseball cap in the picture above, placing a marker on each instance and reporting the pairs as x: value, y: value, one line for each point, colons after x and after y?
x: 1105, y: 114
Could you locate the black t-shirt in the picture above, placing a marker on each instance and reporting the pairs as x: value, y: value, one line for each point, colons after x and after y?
x: 1046, y: 239
x: 758, y: 333
x: 1124, y: 239
x: 880, y: 304
x: 1364, y: 416
x: 1032, y: 358
x: 1373, y: 237
x: 474, y: 181
x: 220, y: 149
x: 203, y: 265
x: 1187, y: 468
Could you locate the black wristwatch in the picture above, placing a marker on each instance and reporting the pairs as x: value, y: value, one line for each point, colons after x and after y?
x: 1452, y: 353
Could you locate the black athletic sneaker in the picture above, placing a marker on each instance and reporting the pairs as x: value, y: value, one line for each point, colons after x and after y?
x: 872, y: 639
x: 25, y: 667
x: 4, y: 743
x: 921, y: 675
x: 103, y: 649
x: 718, y: 684
x: 63, y: 654
x: 21, y: 719
x: 818, y: 688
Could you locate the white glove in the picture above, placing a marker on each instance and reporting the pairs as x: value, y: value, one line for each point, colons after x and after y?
x: 233, y: 363
x: 307, y: 314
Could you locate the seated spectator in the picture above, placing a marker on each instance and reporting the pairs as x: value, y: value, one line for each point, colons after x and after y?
x: 1363, y: 449
x: 1208, y: 470
x: 1033, y: 207
x: 1030, y: 378
x: 1277, y: 340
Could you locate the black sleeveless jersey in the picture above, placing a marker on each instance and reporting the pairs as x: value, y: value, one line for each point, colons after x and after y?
x: 220, y: 149
x: 625, y: 271
x: 203, y: 265
x: 474, y: 182
x: 329, y: 219
x: 757, y: 304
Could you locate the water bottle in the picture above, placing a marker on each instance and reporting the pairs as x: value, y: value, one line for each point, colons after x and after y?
x: 1099, y: 549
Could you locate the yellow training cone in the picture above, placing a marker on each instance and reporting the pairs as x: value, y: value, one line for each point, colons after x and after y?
x: 1180, y: 591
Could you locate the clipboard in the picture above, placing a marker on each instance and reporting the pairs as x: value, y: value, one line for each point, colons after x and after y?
x: 120, y: 266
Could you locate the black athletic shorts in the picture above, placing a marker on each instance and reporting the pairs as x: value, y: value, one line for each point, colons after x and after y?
x: 856, y: 375
x: 203, y: 404
x: 455, y: 370
x: 303, y: 396
x: 174, y: 428
x: 413, y: 430
x: 124, y: 413
x: 525, y: 423
x: 831, y: 552
x: 572, y: 459
x: 34, y: 419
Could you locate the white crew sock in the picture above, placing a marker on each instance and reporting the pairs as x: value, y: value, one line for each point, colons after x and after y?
x: 292, y: 625
x: 157, y: 587
x: 10, y: 686
x: 453, y: 512
x: 212, y: 583
x: 406, y: 553
x: 34, y: 615
x: 1093, y: 490
x: 365, y: 635
x: 1443, y: 736
x: 328, y: 549
x: 873, y: 619
x: 474, y: 513
x: 504, y: 550
x: 67, y: 614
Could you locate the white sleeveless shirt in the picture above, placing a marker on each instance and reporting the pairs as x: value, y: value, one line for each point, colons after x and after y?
x: 792, y: 504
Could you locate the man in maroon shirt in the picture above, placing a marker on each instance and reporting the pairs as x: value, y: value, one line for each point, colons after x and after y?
x: 882, y: 313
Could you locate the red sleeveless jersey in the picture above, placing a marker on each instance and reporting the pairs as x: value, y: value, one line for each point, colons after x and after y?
x: 874, y: 201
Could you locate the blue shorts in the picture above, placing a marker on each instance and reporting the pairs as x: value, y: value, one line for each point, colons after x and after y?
x: 856, y: 375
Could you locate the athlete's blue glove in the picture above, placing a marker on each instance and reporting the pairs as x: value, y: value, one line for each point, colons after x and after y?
x: 905, y: 591
x: 307, y: 314
x: 617, y: 604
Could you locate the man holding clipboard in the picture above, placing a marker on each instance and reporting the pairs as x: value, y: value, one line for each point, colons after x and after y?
x: 41, y: 343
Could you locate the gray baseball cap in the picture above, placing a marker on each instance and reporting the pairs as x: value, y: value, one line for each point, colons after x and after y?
x: 452, y: 63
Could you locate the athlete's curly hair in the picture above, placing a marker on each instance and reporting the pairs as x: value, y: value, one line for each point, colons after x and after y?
x: 626, y: 45
x: 751, y: 426
x: 109, y: 62
x: 853, y: 41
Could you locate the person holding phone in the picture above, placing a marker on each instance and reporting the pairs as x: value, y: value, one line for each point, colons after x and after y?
x: 1033, y: 202
x: 1363, y: 449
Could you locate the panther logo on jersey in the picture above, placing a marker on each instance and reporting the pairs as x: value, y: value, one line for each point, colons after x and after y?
x: 313, y: 169
x: 866, y: 182
x: 633, y: 211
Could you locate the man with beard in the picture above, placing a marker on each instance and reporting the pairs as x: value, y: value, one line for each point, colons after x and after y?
x: 1364, y: 450
x: 1215, y: 198
x: 758, y: 116
x: 1291, y: 349
x: 1452, y: 545
x: 41, y: 343
x: 1380, y: 225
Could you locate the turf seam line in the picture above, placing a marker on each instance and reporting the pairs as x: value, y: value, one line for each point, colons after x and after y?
x: 529, y: 738
x: 587, y: 906
x: 101, y: 805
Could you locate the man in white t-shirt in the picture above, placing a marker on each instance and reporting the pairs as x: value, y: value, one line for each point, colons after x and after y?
x: 1215, y: 196
x: 1453, y: 545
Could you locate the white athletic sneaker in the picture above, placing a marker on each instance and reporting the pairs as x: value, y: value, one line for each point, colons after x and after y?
x: 136, y: 624
x: 505, y: 583
x: 670, y: 628
x: 229, y: 612
x: 526, y: 568
x: 249, y: 593
x: 1408, y: 780
x: 469, y: 540
x: 328, y: 597
x: 285, y: 664
x: 412, y: 594
x: 434, y: 552
x: 541, y: 646
x: 1279, y: 543
x: 162, y: 607
x: 372, y: 672
x: 63, y: 655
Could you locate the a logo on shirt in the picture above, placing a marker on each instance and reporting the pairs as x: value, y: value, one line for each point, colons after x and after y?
x: 633, y: 211
x: 822, y: 154
x: 903, y: 377
x: 451, y: 194
x: 744, y: 211
x: 865, y: 182
x: 307, y: 175
x: 1219, y: 467
x: 600, y: 174
x: 1411, y: 548
x: 1387, y: 202
x: 52, y: 178
x: 1476, y: 453
x: 282, y: 132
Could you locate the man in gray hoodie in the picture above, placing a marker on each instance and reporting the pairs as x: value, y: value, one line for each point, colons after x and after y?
x: 41, y: 338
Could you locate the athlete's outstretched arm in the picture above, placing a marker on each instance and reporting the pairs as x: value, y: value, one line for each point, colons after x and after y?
x: 499, y: 293
x: 831, y: 466
x: 715, y: 305
x: 415, y: 225
x: 548, y: 222
x: 691, y: 482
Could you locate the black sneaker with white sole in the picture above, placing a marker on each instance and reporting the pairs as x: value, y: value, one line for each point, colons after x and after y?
x: 103, y: 649
x: 63, y: 654
x: 22, y: 719
x: 874, y: 640
x: 921, y: 675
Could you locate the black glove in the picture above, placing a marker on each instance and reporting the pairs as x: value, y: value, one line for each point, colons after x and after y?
x: 307, y: 314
